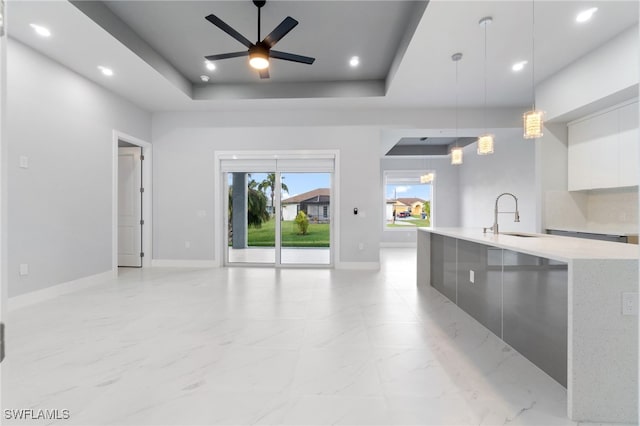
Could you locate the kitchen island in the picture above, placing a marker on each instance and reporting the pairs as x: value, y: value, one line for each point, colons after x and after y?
x: 556, y: 300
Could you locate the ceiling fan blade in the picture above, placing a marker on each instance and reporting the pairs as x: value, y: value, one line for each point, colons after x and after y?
x: 226, y: 56
x: 281, y: 30
x: 227, y: 29
x: 291, y: 57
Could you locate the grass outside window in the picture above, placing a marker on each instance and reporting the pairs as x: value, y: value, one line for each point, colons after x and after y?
x: 318, y: 235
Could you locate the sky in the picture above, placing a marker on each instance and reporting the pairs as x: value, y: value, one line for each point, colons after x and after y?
x: 409, y: 191
x: 297, y: 183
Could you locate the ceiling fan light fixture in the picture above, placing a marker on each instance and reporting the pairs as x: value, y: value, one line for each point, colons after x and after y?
x: 258, y: 58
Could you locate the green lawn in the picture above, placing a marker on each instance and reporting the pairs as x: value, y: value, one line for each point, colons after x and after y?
x: 317, y: 235
x: 415, y: 221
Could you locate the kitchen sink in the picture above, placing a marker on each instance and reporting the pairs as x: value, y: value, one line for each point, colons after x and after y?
x: 519, y: 234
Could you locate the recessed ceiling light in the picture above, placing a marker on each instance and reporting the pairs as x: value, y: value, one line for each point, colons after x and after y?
x: 210, y: 65
x: 354, y: 61
x: 519, y: 66
x: 40, y: 30
x: 106, y: 71
x: 204, y: 78
x: 586, y: 15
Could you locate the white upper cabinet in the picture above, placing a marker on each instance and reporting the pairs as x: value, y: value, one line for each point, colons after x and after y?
x: 629, y: 142
x: 603, y: 150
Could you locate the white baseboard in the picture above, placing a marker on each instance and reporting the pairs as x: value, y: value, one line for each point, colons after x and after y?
x: 360, y: 266
x: 38, y: 296
x: 170, y: 263
x: 408, y: 244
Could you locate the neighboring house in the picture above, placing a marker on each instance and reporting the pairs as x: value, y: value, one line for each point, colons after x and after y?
x: 412, y: 205
x: 316, y: 204
x: 394, y: 207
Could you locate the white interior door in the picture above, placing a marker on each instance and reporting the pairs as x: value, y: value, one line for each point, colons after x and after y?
x: 129, y: 207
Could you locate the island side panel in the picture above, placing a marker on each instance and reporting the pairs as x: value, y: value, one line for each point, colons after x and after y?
x: 603, y: 343
x: 424, y: 258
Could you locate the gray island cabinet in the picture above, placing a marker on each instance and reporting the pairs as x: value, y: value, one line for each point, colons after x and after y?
x: 556, y: 300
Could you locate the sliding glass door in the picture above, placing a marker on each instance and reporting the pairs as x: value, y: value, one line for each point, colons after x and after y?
x: 305, y: 230
x: 250, y: 220
x: 280, y: 217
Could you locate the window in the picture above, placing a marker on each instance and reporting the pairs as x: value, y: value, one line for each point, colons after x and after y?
x: 325, y: 211
x: 408, y: 199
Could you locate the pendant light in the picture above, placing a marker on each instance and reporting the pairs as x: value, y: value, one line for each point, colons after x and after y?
x: 485, y: 141
x: 456, y: 151
x: 427, y: 177
x: 533, y: 120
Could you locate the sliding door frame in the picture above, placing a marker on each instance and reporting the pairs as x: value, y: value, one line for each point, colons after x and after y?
x: 221, y: 213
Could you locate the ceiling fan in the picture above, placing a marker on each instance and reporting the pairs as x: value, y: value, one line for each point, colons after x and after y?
x: 260, y: 51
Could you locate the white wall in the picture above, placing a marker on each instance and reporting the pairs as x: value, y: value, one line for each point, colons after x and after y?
x: 184, y: 147
x: 603, y: 77
x: 482, y: 178
x: 59, y: 221
x: 445, y: 209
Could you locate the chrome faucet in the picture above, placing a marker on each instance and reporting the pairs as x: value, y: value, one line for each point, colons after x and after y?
x: 494, y: 228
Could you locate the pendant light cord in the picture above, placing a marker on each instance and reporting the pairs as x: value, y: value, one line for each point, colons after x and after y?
x: 533, y: 52
x: 457, y: 102
x: 485, y: 77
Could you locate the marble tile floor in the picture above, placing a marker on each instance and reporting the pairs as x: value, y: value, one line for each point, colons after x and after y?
x: 245, y: 346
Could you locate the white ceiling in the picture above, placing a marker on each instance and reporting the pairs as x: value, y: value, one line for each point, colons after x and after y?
x: 424, y: 75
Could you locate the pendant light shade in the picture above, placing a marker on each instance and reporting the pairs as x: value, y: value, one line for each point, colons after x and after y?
x: 456, y: 155
x: 427, y: 178
x: 485, y: 144
x: 533, y: 122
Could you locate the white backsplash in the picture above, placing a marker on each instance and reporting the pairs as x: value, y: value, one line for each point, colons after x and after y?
x: 613, y: 208
x: 605, y: 211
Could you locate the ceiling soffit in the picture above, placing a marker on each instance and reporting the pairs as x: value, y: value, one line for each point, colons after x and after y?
x: 396, y: 22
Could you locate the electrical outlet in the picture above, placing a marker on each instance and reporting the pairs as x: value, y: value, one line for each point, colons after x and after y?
x: 472, y: 276
x: 24, y: 269
x: 630, y: 303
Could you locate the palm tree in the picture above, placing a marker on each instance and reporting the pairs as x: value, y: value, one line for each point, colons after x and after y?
x: 270, y: 183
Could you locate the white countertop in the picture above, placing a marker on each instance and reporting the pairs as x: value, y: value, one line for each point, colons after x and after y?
x: 554, y: 247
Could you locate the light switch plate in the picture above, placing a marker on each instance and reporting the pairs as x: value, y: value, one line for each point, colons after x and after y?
x: 472, y: 276
x: 24, y: 269
x: 24, y: 162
